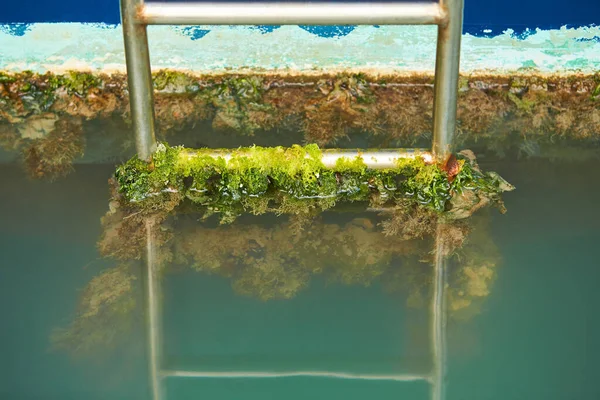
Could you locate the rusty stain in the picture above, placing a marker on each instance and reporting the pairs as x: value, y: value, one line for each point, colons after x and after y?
x: 140, y: 15
x: 442, y: 17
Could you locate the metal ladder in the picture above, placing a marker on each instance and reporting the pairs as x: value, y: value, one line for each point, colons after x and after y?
x: 446, y: 14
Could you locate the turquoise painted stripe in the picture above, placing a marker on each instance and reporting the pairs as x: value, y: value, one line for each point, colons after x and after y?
x: 42, y: 47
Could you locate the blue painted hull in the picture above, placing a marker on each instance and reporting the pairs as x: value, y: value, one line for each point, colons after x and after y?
x: 481, y: 17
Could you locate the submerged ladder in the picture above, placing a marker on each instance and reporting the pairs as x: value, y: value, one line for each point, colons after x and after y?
x: 136, y: 15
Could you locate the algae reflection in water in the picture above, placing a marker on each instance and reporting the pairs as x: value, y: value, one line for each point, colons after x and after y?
x: 198, y: 203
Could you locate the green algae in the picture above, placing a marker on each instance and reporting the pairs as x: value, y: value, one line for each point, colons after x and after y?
x: 158, y: 200
x: 517, y: 115
x: 172, y: 81
x: 38, y: 93
x: 495, y: 113
x: 522, y: 104
x: 79, y: 82
x: 234, y: 101
x: 291, y: 181
x: 52, y: 155
x: 596, y: 92
x: 105, y: 314
x: 7, y: 78
x: 39, y: 96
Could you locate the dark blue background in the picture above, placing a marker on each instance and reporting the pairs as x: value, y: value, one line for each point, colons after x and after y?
x: 479, y: 14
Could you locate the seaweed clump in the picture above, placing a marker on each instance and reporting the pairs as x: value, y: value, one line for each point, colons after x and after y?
x: 295, y: 181
x: 278, y: 262
x: 524, y: 114
x: 344, y: 104
x: 238, y: 105
x: 104, y: 314
x: 163, y: 200
x: 52, y: 155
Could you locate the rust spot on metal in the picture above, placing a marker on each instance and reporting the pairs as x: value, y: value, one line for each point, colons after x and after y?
x: 443, y: 32
x: 442, y: 17
x: 140, y: 14
x: 451, y: 166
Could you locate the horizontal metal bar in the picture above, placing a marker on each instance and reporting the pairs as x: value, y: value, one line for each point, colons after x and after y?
x: 312, y: 374
x: 281, y: 13
x: 374, y: 159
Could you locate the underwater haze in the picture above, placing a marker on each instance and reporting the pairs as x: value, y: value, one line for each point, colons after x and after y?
x: 530, y: 332
x: 297, y: 267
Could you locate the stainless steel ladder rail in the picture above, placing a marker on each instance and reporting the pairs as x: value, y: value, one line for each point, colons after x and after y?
x: 446, y: 14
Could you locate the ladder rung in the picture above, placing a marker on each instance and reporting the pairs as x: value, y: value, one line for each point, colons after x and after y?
x: 293, y: 374
x: 372, y: 158
x: 272, y: 13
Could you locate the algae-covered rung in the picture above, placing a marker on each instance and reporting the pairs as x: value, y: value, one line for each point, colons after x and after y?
x: 372, y: 158
x: 299, y: 179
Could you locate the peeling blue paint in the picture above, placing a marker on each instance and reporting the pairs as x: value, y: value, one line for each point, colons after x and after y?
x: 193, y: 32
x: 329, y: 31
x: 15, y: 29
x: 266, y: 28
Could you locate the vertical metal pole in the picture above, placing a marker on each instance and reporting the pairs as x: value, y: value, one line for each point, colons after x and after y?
x: 446, y: 78
x: 139, y: 78
x: 141, y: 102
x: 153, y: 314
x: 438, y: 320
x: 447, y: 68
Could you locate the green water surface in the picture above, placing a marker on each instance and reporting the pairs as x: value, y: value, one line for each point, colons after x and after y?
x: 535, y: 339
